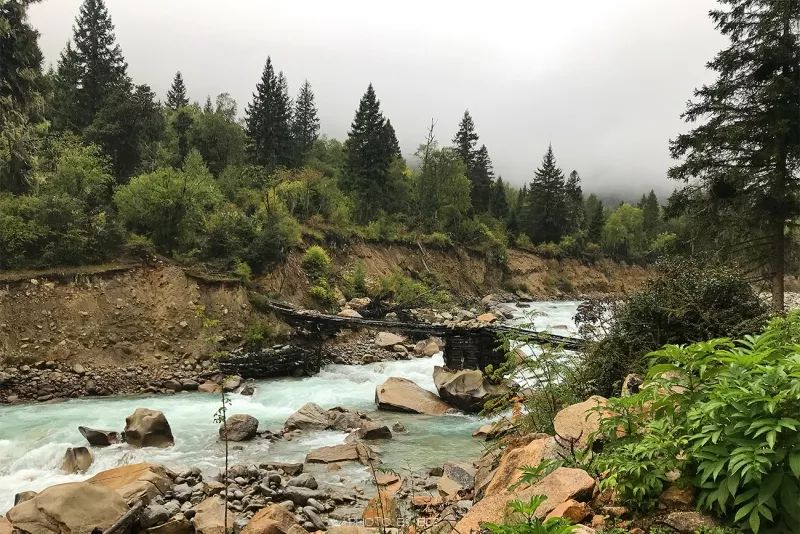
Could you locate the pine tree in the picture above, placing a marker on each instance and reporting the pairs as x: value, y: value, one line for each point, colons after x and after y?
x: 93, y: 67
x: 466, y: 139
x: 305, y: 123
x: 208, y: 107
x: 21, y: 101
x: 391, y: 145
x: 595, y: 219
x: 368, y: 157
x: 481, y: 178
x: 176, y: 96
x: 268, y: 119
x: 745, y: 153
x: 498, y: 205
x: 573, y: 196
x: 651, y: 214
x: 547, y: 216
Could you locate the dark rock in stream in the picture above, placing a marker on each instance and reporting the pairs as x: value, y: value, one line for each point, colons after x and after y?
x: 99, y: 438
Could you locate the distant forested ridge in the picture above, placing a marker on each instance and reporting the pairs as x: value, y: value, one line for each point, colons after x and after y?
x: 94, y: 165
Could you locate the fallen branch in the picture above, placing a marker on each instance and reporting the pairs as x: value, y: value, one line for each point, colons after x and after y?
x: 125, y: 519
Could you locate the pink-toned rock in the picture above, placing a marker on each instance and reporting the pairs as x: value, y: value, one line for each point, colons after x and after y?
x: 675, y: 497
x: 73, y: 508
x: 403, y: 395
x: 209, y: 387
x: 560, y: 486
x: 209, y: 518
x: 579, y: 421
x: 274, y: 519
x: 573, y: 510
x: 134, y: 482
x: 349, y: 312
x: 345, y: 452
x: 487, y: 318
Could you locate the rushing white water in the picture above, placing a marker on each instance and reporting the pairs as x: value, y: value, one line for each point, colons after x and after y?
x: 33, y: 437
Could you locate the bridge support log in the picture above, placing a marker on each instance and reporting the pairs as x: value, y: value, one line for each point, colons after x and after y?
x: 473, y: 350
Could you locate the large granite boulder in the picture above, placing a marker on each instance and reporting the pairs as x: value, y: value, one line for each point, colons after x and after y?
x: 346, y: 452
x: 387, y: 340
x: 239, y: 427
x: 370, y: 430
x: 403, y: 395
x: 274, y: 519
x: 135, y: 482
x: 73, y: 508
x: 209, y: 517
x: 148, y: 428
x: 99, y: 438
x: 560, y: 486
x: 312, y: 416
x: 579, y: 421
x: 466, y: 389
x: 76, y: 460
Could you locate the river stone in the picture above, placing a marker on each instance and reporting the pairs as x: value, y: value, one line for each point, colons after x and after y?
x: 72, y: 508
x: 273, y: 519
x: 152, y: 515
x: 209, y: 386
x: 300, y: 495
x: 148, y: 428
x: 561, y: 485
x: 76, y: 460
x: 579, y: 421
x: 403, y: 395
x: 349, y: 312
x: 370, y: 430
x: 466, y: 389
x: 305, y: 480
x: 179, y: 525
x: 99, y: 438
x: 345, y: 452
x: 386, y: 340
x: 240, y: 427
x: 231, y: 383
x: 5, y: 526
x: 135, y: 482
x: 312, y: 416
x: 314, y: 517
x: 210, y: 515
x: 23, y: 496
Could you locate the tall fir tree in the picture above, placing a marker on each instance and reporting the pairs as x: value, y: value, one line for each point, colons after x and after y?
x: 481, y: 177
x: 745, y: 153
x: 305, y: 123
x: 93, y: 67
x: 176, y: 96
x: 547, y: 216
x: 595, y: 218
x: 466, y: 139
x: 573, y: 196
x: 21, y: 99
x: 651, y: 214
x: 498, y: 205
x: 370, y: 150
x: 268, y: 120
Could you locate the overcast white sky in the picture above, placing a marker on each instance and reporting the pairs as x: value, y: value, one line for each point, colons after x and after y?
x: 604, y: 81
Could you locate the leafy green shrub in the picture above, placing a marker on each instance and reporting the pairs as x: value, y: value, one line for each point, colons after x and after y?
x: 523, y: 242
x: 260, y: 334
x: 242, y: 271
x: 316, y: 263
x: 437, y: 240
x: 322, y: 293
x: 684, y: 302
x: 726, y: 414
x: 523, y: 520
x: 140, y: 247
x: 354, y: 284
x: 549, y: 250
x: 408, y: 293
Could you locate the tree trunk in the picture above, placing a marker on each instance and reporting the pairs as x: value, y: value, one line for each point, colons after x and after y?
x: 778, y: 268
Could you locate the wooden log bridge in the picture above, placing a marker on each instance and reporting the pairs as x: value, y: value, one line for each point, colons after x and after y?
x: 466, y: 345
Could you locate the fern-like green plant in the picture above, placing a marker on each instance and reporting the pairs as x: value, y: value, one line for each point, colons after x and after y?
x: 523, y: 520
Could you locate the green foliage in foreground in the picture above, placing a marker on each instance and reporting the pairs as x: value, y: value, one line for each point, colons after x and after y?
x: 726, y: 414
x: 683, y: 303
x: 524, y: 521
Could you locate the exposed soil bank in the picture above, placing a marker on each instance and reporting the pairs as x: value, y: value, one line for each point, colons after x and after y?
x: 135, y: 328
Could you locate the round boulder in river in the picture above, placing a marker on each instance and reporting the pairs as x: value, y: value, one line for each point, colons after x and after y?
x: 239, y: 427
x: 148, y: 428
